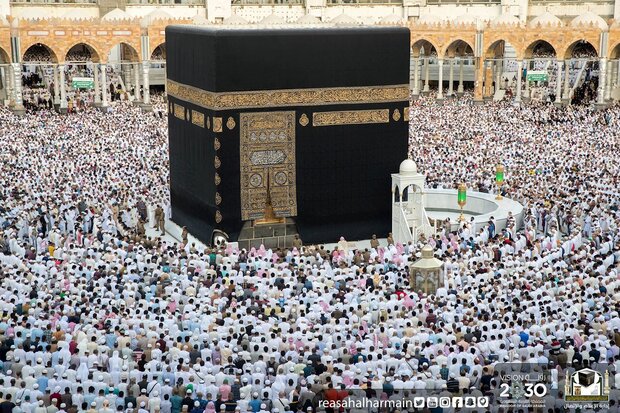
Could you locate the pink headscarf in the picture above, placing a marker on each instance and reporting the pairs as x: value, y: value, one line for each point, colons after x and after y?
x: 210, y: 408
x: 261, y: 250
x: 408, y: 302
x: 229, y: 249
x: 397, y: 259
x: 399, y: 248
x: 384, y: 340
x: 363, y: 329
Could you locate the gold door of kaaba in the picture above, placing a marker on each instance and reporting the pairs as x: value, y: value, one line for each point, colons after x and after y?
x: 267, y: 154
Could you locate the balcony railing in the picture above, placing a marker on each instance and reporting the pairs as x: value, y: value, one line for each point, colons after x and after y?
x: 341, y: 2
x: 168, y: 2
x: 573, y: 2
x: 53, y: 1
x: 267, y: 2
x: 438, y: 2
x: 164, y: 2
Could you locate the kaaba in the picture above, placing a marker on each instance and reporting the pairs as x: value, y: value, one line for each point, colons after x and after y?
x: 281, y: 131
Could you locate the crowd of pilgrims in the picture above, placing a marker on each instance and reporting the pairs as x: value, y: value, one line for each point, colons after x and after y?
x: 97, y: 316
x: 36, y: 96
x: 38, y: 91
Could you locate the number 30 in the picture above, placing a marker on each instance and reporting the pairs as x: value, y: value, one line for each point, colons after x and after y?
x: 530, y: 389
x: 537, y: 389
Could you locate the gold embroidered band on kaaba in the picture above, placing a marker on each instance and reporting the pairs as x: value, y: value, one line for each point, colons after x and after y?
x: 350, y: 117
x: 287, y: 97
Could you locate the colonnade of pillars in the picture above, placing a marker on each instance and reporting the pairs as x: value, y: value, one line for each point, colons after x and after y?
x: 425, y: 63
x: 490, y: 71
x: 11, y: 81
x: 608, y: 78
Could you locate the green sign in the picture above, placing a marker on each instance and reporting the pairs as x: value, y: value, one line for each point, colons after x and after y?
x: 461, y: 195
x: 537, y: 76
x: 83, y: 83
x: 499, y: 173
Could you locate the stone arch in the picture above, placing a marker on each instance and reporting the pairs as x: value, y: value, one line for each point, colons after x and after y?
x: 459, y: 48
x: 39, y: 53
x: 540, y: 48
x: 423, y: 45
x: 580, y: 48
x: 159, y: 52
x: 614, y: 51
x: 405, y: 191
x: 82, y: 52
x: 4, y: 56
x: 128, y: 53
x: 497, y: 49
x: 396, y: 194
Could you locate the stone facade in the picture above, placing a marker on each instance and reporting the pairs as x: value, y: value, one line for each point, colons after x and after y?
x: 443, y: 40
x: 60, y: 35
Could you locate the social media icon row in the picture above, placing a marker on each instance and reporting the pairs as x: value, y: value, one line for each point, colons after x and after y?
x: 445, y: 402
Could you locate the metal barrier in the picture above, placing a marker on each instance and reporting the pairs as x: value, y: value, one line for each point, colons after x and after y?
x: 168, y: 2
x: 53, y: 1
x: 437, y: 2
x: 341, y: 2
x: 571, y: 2
x: 267, y: 2
x: 164, y: 2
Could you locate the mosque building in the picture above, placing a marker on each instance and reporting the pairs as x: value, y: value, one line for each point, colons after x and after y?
x: 456, y: 43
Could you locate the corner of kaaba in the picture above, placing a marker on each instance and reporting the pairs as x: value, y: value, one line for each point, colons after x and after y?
x: 281, y: 132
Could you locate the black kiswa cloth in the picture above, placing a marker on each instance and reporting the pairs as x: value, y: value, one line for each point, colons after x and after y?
x: 342, y: 172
